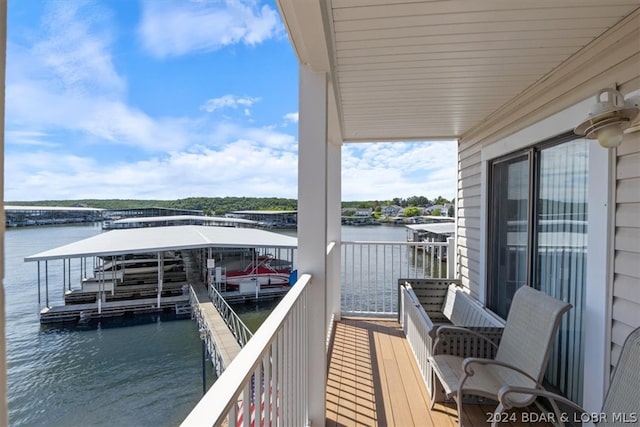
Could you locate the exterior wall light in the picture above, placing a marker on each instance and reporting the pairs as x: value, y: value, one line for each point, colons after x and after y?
x: 608, y: 119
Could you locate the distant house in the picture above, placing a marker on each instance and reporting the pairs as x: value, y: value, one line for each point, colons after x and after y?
x: 392, y: 210
x: 364, y: 212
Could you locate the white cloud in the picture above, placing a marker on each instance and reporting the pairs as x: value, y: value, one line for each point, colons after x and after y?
x: 228, y: 101
x: 179, y: 28
x: 290, y: 118
x: 33, y: 105
x: 387, y: 170
x: 66, y: 82
x: 28, y: 138
x: 242, y: 167
x: 75, y: 49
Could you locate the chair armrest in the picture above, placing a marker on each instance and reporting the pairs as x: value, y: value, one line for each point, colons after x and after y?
x: 553, y: 398
x: 504, y: 392
x: 468, y: 369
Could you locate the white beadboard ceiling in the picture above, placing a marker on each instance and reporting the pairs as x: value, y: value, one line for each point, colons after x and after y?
x: 406, y: 69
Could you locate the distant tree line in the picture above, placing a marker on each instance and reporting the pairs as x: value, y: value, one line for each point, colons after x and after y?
x: 398, y: 201
x: 209, y: 205
x: 223, y: 205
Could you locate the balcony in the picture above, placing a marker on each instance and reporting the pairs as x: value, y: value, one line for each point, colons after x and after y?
x: 372, y: 374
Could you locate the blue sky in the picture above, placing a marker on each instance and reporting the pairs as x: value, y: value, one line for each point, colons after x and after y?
x: 165, y: 99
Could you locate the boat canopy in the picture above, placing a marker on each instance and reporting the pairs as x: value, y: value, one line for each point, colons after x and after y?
x: 446, y: 228
x: 158, y: 239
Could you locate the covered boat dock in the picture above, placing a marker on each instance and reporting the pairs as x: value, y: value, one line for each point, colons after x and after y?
x: 158, y: 290
x: 220, y: 328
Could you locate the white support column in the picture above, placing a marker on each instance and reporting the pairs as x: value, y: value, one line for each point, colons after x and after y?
x: 312, y: 227
x: 334, y: 230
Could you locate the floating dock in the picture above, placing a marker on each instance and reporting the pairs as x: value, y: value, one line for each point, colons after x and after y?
x: 86, y: 312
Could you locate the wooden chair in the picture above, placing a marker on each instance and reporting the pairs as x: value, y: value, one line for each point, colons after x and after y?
x: 521, y: 357
x: 621, y: 404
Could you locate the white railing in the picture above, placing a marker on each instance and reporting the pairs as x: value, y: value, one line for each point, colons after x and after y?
x: 333, y: 297
x: 370, y: 273
x: 206, y: 334
x: 414, y: 323
x: 267, y: 381
x: 237, y: 327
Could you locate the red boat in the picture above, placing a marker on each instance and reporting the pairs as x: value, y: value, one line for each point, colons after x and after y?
x: 267, y: 270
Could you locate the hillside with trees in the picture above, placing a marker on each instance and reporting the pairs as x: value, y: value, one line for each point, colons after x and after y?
x: 210, y: 205
x: 223, y: 205
x: 398, y: 201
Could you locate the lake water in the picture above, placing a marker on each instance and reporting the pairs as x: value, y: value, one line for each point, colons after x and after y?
x: 145, y: 372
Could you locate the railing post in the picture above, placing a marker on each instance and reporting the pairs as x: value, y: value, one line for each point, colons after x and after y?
x: 451, y: 258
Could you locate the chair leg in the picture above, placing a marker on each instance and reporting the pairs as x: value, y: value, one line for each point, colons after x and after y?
x: 433, y: 400
x: 434, y: 389
x: 496, y: 415
x: 459, y: 406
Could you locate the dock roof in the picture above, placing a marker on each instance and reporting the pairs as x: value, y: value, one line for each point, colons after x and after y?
x: 184, y: 218
x: 436, y: 228
x: 157, y: 239
x: 264, y: 212
x: 50, y: 208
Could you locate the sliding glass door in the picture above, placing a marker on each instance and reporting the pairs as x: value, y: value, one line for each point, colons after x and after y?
x: 509, y: 218
x: 560, y: 258
x: 538, y: 230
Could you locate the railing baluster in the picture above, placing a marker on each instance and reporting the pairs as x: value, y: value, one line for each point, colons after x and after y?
x: 246, y: 405
x: 295, y: 318
x: 275, y: 387
x: 305, y: 352
x: 258, y: 395
x: 376, y: 292
x: 284, y: 392
x: 266, y: 369
x: 384, y: 267
x: 232, y: 419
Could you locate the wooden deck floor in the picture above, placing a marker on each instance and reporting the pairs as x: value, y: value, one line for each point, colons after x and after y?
x: 373, y: 380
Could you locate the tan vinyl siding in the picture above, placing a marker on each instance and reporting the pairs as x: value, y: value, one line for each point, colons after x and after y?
x: 468, y: 205
x: 626, y: 265
x: 469, y: 224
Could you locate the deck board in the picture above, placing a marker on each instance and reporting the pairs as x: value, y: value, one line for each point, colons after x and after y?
x: 373, y: 380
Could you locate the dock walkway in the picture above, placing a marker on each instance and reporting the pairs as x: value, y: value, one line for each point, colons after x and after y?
x: 220, y: 341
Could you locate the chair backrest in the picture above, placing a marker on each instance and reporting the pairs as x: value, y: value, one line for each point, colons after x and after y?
x: 531, y: 327
x: 463, y: 310
x: 450, y: 301
x: 623, y: 398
